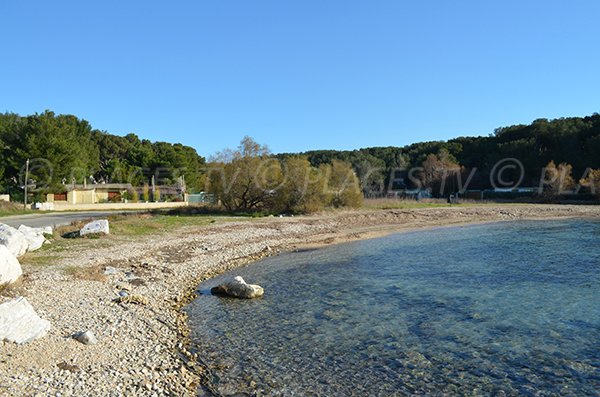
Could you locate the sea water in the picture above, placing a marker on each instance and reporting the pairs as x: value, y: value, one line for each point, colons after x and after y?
x: 509, y: 308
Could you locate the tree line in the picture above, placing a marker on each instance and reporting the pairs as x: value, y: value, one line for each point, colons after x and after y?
x: 65, y: 149
x: 573, y: 143
x: 556, y: 155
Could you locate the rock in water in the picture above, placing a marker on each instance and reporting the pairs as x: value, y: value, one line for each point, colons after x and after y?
x: 100, y: 226
x: 34, y: 236
x: 13, y: 239
x: 19, y: 323
x: 238, y: 288
x: 10, y: 268
x: 86, y: 337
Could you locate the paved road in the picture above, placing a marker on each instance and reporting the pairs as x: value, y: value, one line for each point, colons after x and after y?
x: 54, y: 218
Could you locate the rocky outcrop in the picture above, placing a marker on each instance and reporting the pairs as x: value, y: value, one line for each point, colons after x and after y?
x: 19, y: 323
x: 10, y: 268
x: 35, y: 236
x: 13, y: 239
x: 95, y: 227
x: 238, y: 288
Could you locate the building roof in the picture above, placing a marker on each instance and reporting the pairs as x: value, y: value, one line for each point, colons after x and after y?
x: 99, y: 186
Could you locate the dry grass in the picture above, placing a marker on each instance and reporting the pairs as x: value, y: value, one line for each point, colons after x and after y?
x: 391, y: 203
x: 13, y: 290
x: 89, y: 273
x: 7, y: 209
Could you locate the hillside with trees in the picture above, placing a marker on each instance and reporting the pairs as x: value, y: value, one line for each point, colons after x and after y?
x: 556, y: 155
x: 571, y: 142
x: 64, y: 148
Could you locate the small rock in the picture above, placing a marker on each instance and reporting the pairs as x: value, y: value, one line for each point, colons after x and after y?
x: 137, y: 282
x: 68, y: 367
x: 137, y: 299
x: 86, y: 337
x: 109, y: 271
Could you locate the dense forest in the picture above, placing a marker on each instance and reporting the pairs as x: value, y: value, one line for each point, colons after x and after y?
x: 64, y: 148
x: 573, y: 141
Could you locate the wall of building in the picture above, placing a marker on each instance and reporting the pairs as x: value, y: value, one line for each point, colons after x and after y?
x: 101, y: 196
x: 63, y: 206
x: 4, y: 197
x: 81, y: 197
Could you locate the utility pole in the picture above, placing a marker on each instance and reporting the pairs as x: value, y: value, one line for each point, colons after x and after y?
x: 26, y: 182
x: 153, y: 190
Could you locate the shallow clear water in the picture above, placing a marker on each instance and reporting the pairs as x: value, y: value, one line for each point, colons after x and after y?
x: 500, y: 309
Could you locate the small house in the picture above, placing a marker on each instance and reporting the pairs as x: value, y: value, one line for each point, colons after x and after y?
x: 90, y: 194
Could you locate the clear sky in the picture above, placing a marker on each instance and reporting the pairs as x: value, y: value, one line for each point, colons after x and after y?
x: 299, y: 75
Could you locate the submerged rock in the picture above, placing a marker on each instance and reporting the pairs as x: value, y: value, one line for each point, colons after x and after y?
x: 19, y: 323
x: 99, y: 226
x: 238, y: 288
x: 13, y: 239
x: 10, y: 268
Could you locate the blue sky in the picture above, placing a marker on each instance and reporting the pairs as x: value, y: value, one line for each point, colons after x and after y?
x: 300, y: 75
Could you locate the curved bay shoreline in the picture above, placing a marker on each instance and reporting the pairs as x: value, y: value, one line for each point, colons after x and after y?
x: 143, y: 349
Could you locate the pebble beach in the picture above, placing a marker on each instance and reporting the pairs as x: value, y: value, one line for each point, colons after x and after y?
x: 142, y: 344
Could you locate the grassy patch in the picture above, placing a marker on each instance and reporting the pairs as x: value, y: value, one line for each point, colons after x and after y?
x: 144, y: 224
x: 38, y: 259
x: 8, y: 209
x: 389, y: 204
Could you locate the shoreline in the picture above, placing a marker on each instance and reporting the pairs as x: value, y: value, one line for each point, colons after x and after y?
x: 144, y: 350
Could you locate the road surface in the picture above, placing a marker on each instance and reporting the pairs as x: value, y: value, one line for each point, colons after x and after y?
x: 54, y: 219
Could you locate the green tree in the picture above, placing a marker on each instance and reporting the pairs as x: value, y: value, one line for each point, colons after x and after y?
x: 302, y: 190
x: 246, y: 179
x: 342, y: 187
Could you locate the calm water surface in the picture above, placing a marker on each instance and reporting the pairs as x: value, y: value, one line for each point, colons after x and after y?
x: 500, y: 309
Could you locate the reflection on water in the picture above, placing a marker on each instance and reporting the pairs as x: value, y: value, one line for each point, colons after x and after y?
x: 501, y: 309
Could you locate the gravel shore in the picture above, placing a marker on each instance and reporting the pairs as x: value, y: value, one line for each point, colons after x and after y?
x: 142, y: 348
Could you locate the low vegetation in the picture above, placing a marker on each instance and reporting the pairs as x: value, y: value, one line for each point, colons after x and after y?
x: 8, y: 209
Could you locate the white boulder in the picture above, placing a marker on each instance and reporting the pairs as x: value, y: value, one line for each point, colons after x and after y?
x: 19, y: 323
x: 35, y: 236
x: 238, y: 288
x: 10, y: 268
x: 99, y: 226
x: 13, y: 239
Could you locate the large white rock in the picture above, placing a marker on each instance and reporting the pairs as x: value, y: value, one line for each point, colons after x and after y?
x: 13, y: 239
x: 99, y: 226
x: 238, y: 288
x: 10, y: 268
x: 35, y: 236
x: 19, y: 323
